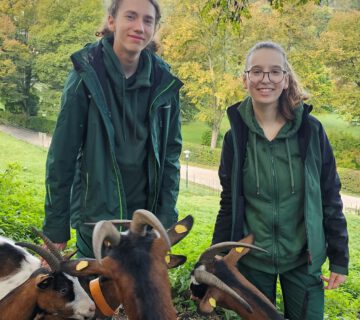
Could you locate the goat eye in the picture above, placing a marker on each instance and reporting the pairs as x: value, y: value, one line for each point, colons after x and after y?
x: 64, y: 291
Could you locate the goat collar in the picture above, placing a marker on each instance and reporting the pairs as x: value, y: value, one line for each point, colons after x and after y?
x: 99, y: 298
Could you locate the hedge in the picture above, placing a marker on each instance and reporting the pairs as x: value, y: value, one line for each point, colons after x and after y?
x: 35, y: 123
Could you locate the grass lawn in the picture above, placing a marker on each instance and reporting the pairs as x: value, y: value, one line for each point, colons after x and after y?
x: 203, y: 204
x: 193, y: 131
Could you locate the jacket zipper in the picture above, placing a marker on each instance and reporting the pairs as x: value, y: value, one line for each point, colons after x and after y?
x: 305, y: 221
x: 275, y: 225
x: 156, y: 180
x: 87, y: 187
x: 116, y: 167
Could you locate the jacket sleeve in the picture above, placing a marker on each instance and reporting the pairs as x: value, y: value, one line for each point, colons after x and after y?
x: 62, y: 156
x: 334, y: 220
x: 169, y: 190
x: 222, y: 231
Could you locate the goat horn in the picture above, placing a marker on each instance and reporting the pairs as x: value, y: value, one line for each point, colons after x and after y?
x: 104, y: 230
x: 50, y: 245
x: 142, y: 218
x: 209, y: 253
x: 50, y: 258
x: 208, y: 278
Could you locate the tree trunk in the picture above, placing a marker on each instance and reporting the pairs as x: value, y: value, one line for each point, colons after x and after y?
x: 214, y: 136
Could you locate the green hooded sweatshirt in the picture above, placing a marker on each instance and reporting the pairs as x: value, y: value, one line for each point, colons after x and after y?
x: 274, y: 195
x: 129, y: 107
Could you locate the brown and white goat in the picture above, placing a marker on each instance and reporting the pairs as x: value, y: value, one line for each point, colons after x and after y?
x: 136, y: 262
x: 102, y: 289
x: 27, y: 289
x: 216, y: 280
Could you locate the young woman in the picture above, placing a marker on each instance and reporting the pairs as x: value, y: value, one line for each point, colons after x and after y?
x: 280, y: 183
x: 117, y: 142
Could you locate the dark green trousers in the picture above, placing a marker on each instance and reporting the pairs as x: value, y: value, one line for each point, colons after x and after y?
x: 303, y: 293
x: 84, y: 243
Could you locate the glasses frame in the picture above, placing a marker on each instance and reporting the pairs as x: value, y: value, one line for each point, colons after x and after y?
x: 268, y: 73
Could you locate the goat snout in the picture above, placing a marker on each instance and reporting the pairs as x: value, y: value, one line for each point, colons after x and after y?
x: 86, y: 314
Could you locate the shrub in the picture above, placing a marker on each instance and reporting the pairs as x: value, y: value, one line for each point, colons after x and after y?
x: 346, y: 149
x: 41, y: 124
x: 350, y: 180
x: 35, y: 123
x: 206, y: 138
x: 202, y: 155
x: 21, y: 205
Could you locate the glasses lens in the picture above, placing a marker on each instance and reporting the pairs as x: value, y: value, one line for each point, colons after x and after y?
x: 256, y: 75
x: 275, y: 76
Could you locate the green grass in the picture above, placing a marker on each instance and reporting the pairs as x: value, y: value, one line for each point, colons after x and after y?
x: 31, y: 159
x: 193, y: 131
x: 203, y: 204
x: 336, y: 123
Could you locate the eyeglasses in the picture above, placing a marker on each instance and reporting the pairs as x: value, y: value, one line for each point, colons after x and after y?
x: 257, y: 75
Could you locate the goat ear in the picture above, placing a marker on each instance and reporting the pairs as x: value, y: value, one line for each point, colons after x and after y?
x: 209, y: 301
x: 236, y: 253
x: 43, y: 281
x: 82, y: 267
x: 174, y: 260
x: 180, y: 230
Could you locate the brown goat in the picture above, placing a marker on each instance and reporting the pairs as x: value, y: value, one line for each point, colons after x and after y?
x: 136, y: 263
x: 27, y: 289
x: 37, y: 293
x: 217, y: 281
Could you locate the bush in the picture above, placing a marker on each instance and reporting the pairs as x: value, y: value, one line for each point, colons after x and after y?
x: 21, y: 206
x: 35, y: 123
x: 206, y: 138
x: 41, y: 124
x: 350, y: 180
x: 346, y: 149
x: 202, y: 155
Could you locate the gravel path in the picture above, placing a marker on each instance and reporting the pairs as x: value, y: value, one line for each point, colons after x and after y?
x: 200, y: 176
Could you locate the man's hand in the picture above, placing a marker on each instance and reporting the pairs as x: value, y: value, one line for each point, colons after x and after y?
x: 60, y: 246
x: 334, y: 280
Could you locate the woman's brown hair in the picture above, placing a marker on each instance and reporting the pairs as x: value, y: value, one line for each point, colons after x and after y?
x: 293, y: 95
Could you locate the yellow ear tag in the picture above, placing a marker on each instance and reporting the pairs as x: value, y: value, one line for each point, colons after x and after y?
x: 180, y: 228
x: 167, y: 259
x: 239, y: 249
x: 82, y: 265
x: 212, y: 302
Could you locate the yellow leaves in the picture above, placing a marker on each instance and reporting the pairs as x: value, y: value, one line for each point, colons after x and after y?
x: 6, y: 26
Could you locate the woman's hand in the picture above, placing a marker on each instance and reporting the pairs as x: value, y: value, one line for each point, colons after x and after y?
x: 334, y: 280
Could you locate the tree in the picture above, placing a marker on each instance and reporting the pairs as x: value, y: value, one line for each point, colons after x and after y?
x: 233, y: 11
x: 63, y: 27
x: 340, y: 50
x: 16, y: 79
x: 201, y: 52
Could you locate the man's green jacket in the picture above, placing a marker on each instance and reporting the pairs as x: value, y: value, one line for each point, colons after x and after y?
x: 83, y: 180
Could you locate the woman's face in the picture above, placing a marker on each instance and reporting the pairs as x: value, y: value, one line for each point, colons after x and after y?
x: 266, y: 77
x: 133, y: 26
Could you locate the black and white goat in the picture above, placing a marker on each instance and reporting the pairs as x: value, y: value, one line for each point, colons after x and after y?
x: 216, y: 281
x: 26, y: 289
